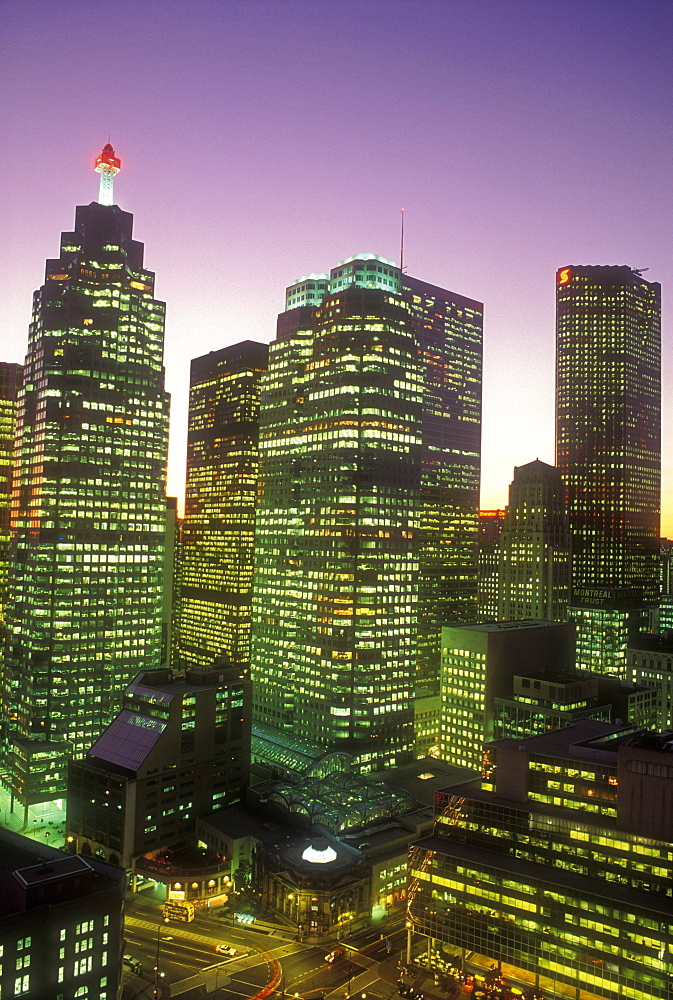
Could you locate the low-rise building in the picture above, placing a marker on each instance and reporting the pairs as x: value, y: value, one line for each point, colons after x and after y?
x: 61, y: 923
x: 649, y: 661
x: 552, y: 699
x: 364, y: 825
x: 557, y: 862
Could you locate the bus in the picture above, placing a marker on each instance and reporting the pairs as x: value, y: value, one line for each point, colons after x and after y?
x: 178, y: 909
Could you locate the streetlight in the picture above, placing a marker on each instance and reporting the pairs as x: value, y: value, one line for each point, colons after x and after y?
x: 158, y: 975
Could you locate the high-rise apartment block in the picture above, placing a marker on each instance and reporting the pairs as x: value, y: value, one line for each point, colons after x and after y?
x: 557, y: 863
x: 215, y: 590
x: 534, y: 547
x: 608, y: 428
x: 85, y: 595
x: 369, y: 458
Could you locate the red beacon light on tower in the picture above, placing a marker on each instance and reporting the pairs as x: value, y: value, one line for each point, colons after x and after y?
x: 107, y: 165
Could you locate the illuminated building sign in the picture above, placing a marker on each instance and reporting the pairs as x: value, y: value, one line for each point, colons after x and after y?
x: 607, y: 597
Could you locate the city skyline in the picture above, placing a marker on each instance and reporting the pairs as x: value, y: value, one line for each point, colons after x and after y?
x: 515, y: 142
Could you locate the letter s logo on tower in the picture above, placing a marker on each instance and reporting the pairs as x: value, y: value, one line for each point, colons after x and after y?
x: 564, y: 275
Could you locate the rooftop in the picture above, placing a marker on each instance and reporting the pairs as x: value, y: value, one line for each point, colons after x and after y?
x: 128, y: 740
x: 26, y: 866
x: 509, y: 626
x: 529, y: 873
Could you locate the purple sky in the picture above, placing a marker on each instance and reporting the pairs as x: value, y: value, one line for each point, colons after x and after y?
x: 263, y: 139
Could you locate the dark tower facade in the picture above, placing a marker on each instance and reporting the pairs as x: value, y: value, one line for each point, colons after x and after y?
x: 608, y: 422
x: 608, y: 447
x: 449, y: 330
x: 215, y: 592
x: 85, y: 596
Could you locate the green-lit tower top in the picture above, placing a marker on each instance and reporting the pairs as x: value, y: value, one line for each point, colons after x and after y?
x: 107, y: 165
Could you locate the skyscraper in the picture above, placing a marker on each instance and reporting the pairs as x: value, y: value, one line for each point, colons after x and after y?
x: 85, y: 605
x: 491, y: 523
x: 219, y: 524
x: 448, y: 329
x: 369, y: 445
x: 10, y: 380
x: 534, y: 547
x: 608, y: 427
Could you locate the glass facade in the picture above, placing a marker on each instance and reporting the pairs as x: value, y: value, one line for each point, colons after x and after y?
x: 449, y: 332
x: 336, y: 589
x: 602, y: 638
x: 85, y: 597
x: 219, y: 524
x: 367, y: 521
x: 608, y: 427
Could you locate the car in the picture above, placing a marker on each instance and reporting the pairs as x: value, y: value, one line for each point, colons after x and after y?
x: 333, y: 956
x: 133, y: 964
x: 225, y: 949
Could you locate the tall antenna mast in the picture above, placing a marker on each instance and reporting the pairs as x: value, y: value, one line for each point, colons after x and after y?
x: 402, y: 243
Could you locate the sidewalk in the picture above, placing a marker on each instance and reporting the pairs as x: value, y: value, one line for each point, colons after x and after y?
x: 424, y: 981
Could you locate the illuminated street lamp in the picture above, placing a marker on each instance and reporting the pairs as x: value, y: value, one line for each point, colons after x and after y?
x: 157, y: 974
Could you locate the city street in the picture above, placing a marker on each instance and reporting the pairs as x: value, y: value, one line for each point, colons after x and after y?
x: 265, y: 962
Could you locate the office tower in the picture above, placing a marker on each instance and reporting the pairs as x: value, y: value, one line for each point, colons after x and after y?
x: 534, y: 548
x: 219, y: 523
x: 85, y: 598
x: 353, y: 497
x: 10, y: 380
x: 448, y: 329
x: 336, y: 586
x: 491, y: 523
x: 556, y: 867
x: 61, y: 923
x: 478, y: 665
x: 130, y: 796
x: 663, y: 618
x: 608, y: 417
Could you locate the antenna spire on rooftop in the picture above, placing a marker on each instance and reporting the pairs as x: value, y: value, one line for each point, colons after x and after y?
x: 107, y: 165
